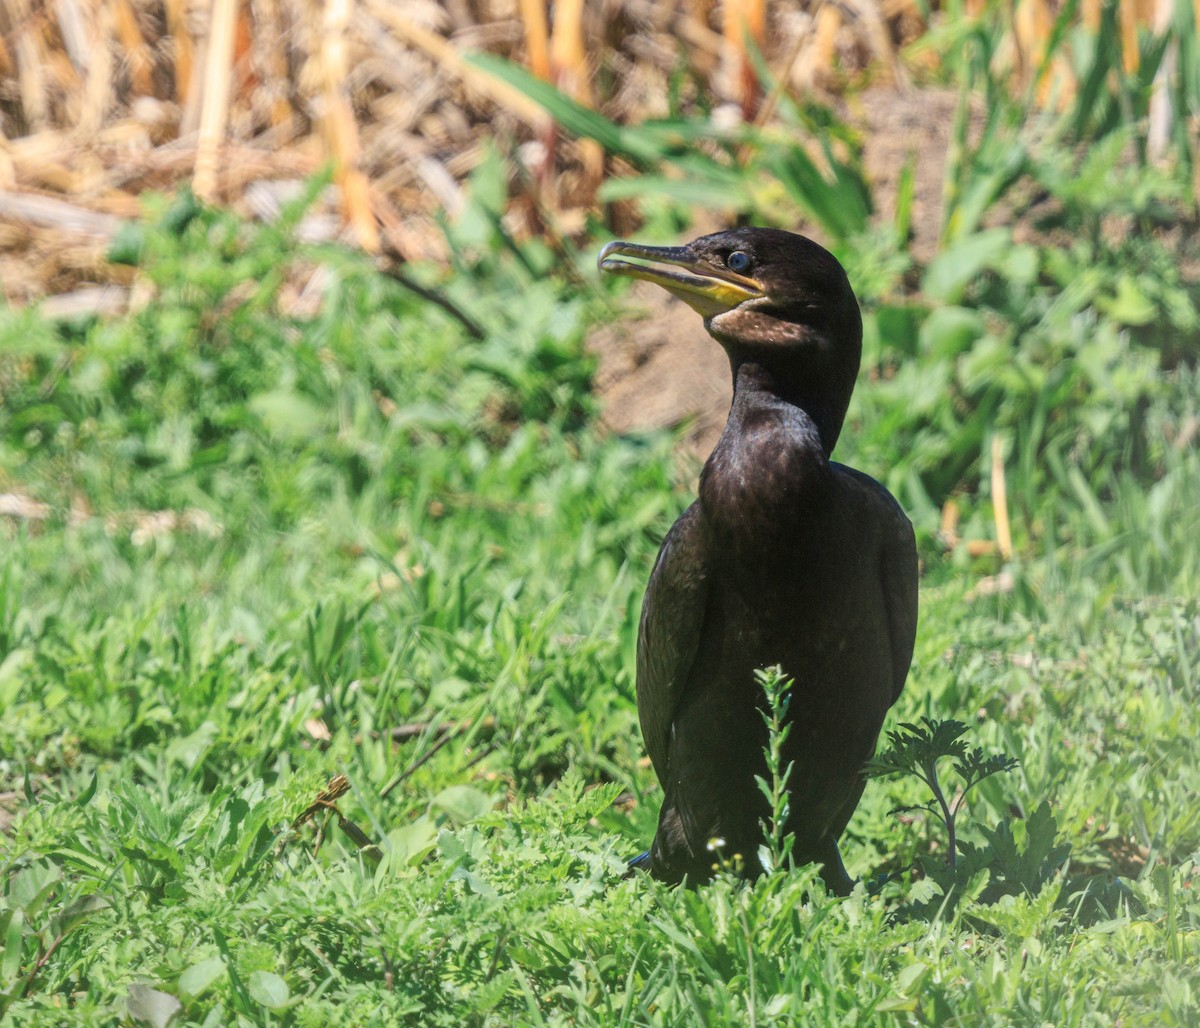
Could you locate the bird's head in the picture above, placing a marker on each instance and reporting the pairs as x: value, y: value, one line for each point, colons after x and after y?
x: 771, y: 298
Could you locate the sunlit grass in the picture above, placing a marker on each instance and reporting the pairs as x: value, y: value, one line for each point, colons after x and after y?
x: 278, y: 549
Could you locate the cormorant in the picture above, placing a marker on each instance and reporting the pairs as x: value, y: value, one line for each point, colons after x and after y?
x: 785, y: 558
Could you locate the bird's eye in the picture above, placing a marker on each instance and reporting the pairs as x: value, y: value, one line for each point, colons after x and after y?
x: 739, y: 260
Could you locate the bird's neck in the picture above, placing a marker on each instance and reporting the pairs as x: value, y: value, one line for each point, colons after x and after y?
x: 756, y: 384
x: 769, y: 468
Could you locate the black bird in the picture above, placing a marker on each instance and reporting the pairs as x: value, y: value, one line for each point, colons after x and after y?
x: 785, y: 558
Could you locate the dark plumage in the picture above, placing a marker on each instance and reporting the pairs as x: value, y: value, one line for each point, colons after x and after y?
x: 786, y: 558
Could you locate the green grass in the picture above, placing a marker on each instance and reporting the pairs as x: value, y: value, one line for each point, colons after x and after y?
x: 374, y: 520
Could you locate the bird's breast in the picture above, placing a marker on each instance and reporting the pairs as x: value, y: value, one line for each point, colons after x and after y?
x: 762, y: 492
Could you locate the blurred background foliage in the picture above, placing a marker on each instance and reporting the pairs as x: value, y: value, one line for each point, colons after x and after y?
x: 304, y: 472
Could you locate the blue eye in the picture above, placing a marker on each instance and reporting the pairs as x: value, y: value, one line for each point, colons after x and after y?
x: 739, y: 260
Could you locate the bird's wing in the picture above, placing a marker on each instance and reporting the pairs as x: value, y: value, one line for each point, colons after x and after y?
x: 897, y: 575
x: 669, y: 632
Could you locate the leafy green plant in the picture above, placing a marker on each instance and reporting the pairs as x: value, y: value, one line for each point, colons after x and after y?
x: 917, y: 749
x: 775, y: 853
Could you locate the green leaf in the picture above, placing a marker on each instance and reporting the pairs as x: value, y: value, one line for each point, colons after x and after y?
x: 191, y: 748
x: 152, y: 1006
x: 85, y: 797
x: 952, y: 270
x: 949, y: 331
x: 269, y: 989
x: 841, y: 204
x: 201, y: 975
x: 128, y: 246
x: 14, y: 933
x: 288, y: 415
x: 76, y: 911
x: 1130, y: 305
x: 31, y: 886
x: 463, y: 803
x: 473, y: 882
x: 409, y: 844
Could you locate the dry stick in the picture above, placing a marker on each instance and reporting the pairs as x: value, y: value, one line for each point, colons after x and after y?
x: 215, y: 110
x: 1000, y: 499
x: 949, y: 527
x: 466, y: 727
x: 1089, y: 14
x: 782, y: 77
x: 828, y: 24
x: 416, y: 765
x: 825, y: 21
x: 402, y: 733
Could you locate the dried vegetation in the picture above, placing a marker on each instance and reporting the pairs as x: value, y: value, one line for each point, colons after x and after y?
x: 102, y: 99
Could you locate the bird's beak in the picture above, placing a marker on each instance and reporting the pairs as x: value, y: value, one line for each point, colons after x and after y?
x: 708, y: 290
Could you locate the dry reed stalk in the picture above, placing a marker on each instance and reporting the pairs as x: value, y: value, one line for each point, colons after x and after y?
x: 215, y: 104
x: 879, y: 39
x: 1159, y: 131
x: 1000, y: 499
x: 1129, y: 14
x: 819, y: 56
x: 568, y: 53
x: 98, y: 72
x: 1027, y: 36
x: 948, y: 532
x: 537, y: 47
x: 784, y: 76
x: 137, y: 51
x: 340, y: 127
x: 568, y: 58
x: 182, y: 47
x: 537, y: 37
x: 31, y: 60
x: 744, y: 25
x: 72, y: 26
x: 274, y: 61
x: 1033, y: 21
